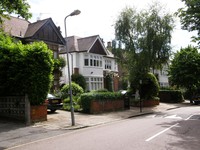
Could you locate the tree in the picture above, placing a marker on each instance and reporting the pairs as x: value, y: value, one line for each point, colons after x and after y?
x: 143, y: 40
x: 190, y: 16
x: 19, y: 7
x: 185, y: 69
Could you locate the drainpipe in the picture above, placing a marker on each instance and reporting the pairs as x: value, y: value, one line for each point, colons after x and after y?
x: 72, y: 63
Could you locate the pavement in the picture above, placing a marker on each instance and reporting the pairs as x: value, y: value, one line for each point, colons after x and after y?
x: 13, y: 134
x: 62, y: 119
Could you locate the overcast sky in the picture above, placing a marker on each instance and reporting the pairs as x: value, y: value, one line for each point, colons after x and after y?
x: 99, y: 16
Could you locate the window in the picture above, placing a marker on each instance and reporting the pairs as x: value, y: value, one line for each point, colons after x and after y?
x: 93, y: 60
x: 86, y: 60
x: 108, y: 64
x: 94, y: 83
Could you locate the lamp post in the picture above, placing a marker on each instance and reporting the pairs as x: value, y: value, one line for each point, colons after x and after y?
x: 75, y: 12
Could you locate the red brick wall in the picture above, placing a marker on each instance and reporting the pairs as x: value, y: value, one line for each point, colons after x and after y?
x: 116, y: 83
x: 38, y: 113
x: 105, y: 106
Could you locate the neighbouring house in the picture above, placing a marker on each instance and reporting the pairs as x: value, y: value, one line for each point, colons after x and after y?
x: 42, y: 30
x: 89, y: 57
x: 162, y: 76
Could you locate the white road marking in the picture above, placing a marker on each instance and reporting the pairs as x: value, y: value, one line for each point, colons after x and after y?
x: 149, y: 139
x: 173, y: 117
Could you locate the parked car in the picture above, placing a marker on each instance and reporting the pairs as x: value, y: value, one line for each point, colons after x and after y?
x: 195, y: 100
x: 53, y: 102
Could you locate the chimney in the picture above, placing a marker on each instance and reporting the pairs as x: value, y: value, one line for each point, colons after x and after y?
x: 109, y: 45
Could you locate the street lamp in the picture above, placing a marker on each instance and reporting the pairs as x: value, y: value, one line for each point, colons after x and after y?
x: 75, y: 12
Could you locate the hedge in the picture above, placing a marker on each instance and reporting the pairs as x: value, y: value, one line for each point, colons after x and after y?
x: 25, y: 69
x: 86, y: 98
x: 171, y: 96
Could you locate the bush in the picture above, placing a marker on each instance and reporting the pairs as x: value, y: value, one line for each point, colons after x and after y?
x: 76, y: 90
x: 80, y: 80
x: 171, y: 96
x: 150, y: 87
x: 76, y: 103
x: 100, y: 91
x: 25, y: 69
x: 86, y: 98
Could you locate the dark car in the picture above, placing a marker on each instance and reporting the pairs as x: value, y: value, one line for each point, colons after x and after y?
x: 195, y: 100
x: 54, y: 102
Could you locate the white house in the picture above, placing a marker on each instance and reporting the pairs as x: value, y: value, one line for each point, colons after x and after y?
x: 89, y: 57
x: 162, y: 75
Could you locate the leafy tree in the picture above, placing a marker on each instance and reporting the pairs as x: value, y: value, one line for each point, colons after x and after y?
x: 20, y: 7
x: 185, y: 69
x: 190, y: 16
x: 143, y: 40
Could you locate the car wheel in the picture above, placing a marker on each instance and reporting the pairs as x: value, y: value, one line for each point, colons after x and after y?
x: 53, y: 110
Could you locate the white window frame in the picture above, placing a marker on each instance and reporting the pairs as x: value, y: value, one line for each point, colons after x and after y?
x: 93, y: 60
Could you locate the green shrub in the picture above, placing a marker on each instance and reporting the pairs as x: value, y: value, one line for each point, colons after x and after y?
x: 149, y: 87
x: 171, y: 96
x: 86, y: 98
x: 100, y: 91
x: 76, y: 103
x: 25, y: 69
x: 80, y: 80
x: 76, y: 90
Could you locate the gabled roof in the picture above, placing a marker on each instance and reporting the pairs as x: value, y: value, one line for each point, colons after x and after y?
x: 15, y: 26
x: 91, y: 44
x: 30, y: 31
x: 34, y: 27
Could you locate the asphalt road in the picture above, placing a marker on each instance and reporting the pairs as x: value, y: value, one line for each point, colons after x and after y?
x: 176, y: 129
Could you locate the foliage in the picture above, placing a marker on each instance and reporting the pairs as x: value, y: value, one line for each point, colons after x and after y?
x: 76, y: 90
x: 86, y: 98
x: 80, y: 80
x: 25, y: 69
x: 108, y: 81
x: 76, y: 103
x: 100, y: 91
x: 149, y: 88
x: 59, y: 63
x: 146, y: 38
x: 190, y: 16
x: 20, y: 7
x: 171, y: 96
x: 185, y: 69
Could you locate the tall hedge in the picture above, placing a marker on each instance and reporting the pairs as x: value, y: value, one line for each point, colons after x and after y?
x: 25, y: 69
x: 149, y: 88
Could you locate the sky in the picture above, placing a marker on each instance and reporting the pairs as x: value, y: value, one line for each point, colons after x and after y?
x: 98, y: 17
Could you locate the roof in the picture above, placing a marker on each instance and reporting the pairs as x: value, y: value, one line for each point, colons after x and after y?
x: 86, y: 43
x: 15, y: 26
x: 92, y: 44
x: 34, y: 27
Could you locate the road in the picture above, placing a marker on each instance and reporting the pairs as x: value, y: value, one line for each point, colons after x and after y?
x: 176, y: 129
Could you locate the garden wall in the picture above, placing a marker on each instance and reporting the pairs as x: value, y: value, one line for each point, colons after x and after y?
x: 18, y: 108
x: 106, y: 106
